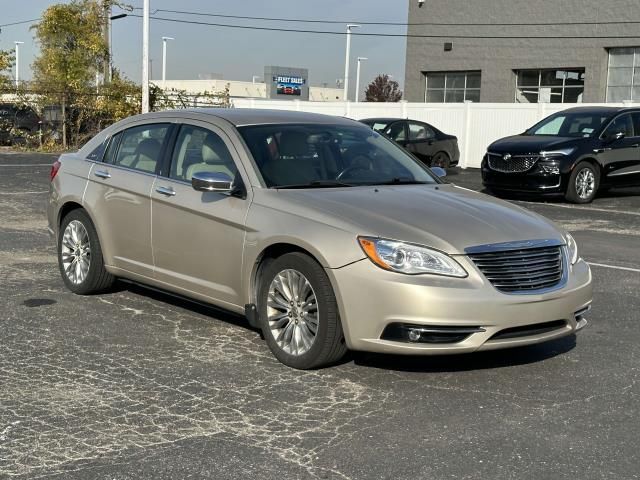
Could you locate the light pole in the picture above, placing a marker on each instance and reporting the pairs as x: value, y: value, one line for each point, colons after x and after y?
x: 360, y: 60
x: 346, y: 62
x: 17, y: 44
x: 164, y: 60
x: 145, y: 57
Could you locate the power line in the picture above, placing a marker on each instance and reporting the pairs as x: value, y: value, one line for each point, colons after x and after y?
x: 396, y: 35
x: 396, y: 24
x: 20, y: 23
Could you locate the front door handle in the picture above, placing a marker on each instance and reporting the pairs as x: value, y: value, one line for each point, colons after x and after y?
x: 601, y: 150
x: 636, y: 145
x: 102, y: 174
x: 168, y: 191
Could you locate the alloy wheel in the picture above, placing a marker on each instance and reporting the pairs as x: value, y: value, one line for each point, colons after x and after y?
x: 292, y: 312
x: 76, y: 252
x: 585, y: 183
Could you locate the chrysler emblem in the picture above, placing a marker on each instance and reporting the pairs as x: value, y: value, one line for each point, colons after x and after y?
x: 506, y: 156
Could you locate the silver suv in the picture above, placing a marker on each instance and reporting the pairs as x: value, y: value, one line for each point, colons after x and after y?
x: 324, y: 233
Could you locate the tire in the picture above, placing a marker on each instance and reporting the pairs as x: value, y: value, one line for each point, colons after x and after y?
x: 95, y: 279
x: 583, y: 183
x: 281, y: 320
x: 441, y: 159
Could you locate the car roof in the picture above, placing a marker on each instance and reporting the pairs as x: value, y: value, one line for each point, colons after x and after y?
x: 598, y: 110
x: 382, y: 119
x: 242, y: 117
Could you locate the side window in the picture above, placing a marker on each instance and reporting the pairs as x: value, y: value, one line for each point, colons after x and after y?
x: 636, y: 123
x: 141, y: 147
x: 200, y: 150
x: 622, y: 124
x: 418, y: 131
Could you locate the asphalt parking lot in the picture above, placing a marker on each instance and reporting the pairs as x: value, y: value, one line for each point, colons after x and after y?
x: 139, y: 385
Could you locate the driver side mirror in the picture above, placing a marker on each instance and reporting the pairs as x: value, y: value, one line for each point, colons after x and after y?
x: 614, y: 136
x: 212, y: 182
x: 439, y: 171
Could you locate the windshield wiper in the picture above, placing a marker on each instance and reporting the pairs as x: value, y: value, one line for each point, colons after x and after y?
x: 402, y: 181
x: 316, y: 184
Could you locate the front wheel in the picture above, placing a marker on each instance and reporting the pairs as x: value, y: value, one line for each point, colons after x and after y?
x: 80, y: 255
x: 299, y: 314
x: 441, y: 159
x: 583, y: 183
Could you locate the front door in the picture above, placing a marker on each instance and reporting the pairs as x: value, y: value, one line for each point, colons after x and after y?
x: 621, y: 158
x: 119, y: 195
x: 198, y: 237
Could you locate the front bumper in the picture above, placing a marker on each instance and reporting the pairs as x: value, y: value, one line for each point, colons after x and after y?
x: 370, y: 299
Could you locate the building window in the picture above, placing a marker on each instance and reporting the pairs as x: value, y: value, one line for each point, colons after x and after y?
x: 450, y: 87
x: 550, y: 86
x: 624, y: 75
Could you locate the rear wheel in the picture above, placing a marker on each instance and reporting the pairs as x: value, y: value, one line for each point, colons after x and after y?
x: 80, y: 255
x: 441, y: 159
x: 298, y: 313
x: 583, y: 183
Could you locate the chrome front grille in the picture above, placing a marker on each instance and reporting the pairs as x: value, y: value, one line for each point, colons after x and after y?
x: 526, y: 270
x: 511, y: 164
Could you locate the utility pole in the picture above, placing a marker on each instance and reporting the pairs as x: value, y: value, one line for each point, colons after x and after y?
x: 145, y: 57
x: 360, y: 60
x: 106, y: 29
x: 347, y: 59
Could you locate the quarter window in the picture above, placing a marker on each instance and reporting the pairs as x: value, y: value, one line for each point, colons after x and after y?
x: 141, y: 147
x: 200, y: 150
x: 550, y: 86
x: 624, y: 75
x: 450, y: 87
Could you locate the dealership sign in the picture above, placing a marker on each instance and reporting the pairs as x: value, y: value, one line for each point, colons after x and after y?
x: 289, y: 85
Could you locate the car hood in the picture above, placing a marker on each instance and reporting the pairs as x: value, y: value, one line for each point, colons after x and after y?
x: 521, y: 144
x: 444, y: 217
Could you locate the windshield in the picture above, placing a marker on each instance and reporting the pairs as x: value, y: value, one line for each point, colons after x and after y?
x: 577, y: 124
x: 315, y: 156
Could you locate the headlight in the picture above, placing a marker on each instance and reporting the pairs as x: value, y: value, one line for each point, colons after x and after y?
x: 549, y: 166
x: 561, y: 152
x: 572, y: 249
x: 409, y: 259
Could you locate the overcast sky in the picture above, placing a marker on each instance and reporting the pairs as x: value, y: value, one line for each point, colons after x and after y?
x: 239, y: 54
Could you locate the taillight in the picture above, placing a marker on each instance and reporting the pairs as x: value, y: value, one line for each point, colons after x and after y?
x: 54, y: 169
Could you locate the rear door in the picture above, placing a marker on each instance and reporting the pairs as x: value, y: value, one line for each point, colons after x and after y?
x: 198, y: 237
x: 119, y: 195
x: 422, y: 141
x: 621, y: 158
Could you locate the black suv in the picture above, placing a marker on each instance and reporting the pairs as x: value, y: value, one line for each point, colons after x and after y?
x: 575, y: 152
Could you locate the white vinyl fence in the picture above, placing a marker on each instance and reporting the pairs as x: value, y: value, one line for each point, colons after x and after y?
x: 475, y: 124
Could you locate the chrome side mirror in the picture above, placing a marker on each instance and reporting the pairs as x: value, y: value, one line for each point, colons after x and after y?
x: 615, y: 136
x: 439, y: 171
x: 212, y: 182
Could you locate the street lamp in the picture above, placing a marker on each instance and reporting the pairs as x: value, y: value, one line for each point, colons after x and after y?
x: 346, y: 62
x: 360, y: 59
x: 145, y: 57
x: 164, y: 60
x: 17, y: 44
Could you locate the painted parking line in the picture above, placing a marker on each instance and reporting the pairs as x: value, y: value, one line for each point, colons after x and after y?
x: 26, y: 164
x: 614, y: 267
x: 587, y: 209
x: 25, y: 193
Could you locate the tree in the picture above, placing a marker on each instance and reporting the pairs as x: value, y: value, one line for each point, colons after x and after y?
x: 73, y: 54
x: 6, y: 62
x: 383, y: 89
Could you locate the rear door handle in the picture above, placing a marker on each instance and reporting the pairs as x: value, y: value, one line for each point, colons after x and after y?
x: 102, y: 174
x: 168, y: 191
x: 636, y: 145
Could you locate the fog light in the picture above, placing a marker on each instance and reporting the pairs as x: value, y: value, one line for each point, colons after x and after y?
x: 414, y: 334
